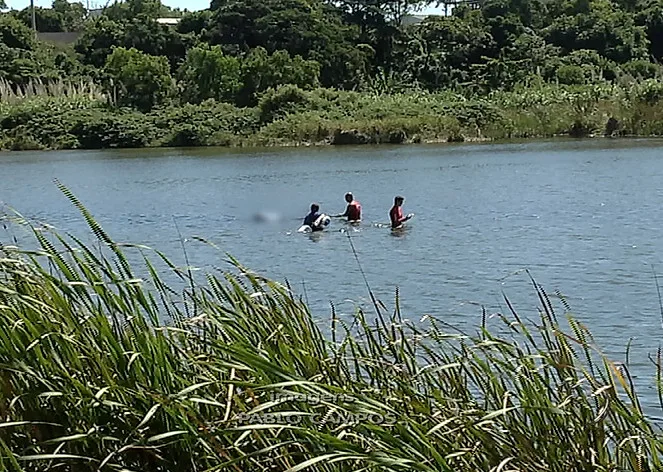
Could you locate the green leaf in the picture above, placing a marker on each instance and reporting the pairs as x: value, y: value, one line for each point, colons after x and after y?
x: 170, y: 434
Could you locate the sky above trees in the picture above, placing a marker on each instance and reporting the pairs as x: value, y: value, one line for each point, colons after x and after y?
x: 191, y: 5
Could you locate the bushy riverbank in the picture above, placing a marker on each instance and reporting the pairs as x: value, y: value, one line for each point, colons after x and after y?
x: 242, y: 378
x: 291, y: 116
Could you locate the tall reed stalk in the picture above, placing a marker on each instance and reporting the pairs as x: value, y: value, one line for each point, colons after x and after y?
x: 93, y: 378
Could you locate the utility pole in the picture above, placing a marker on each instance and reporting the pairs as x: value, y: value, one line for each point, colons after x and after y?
x: 34, y: 20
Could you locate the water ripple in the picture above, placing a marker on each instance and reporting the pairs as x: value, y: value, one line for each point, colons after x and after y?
x: 581, y: 216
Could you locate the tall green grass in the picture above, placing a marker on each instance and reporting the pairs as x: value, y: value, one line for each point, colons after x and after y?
x: 101, y: 369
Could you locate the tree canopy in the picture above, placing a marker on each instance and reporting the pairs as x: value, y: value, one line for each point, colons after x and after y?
x: 239, y: 49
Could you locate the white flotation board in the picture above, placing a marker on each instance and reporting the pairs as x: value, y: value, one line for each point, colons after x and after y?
x: 322, y: 222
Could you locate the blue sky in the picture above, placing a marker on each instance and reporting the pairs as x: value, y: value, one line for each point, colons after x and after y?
x: 190, y: 4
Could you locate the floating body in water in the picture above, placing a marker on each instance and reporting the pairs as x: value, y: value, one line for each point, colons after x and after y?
x: 318, y: 225
x: 314, y: 221
x: 267, y: 217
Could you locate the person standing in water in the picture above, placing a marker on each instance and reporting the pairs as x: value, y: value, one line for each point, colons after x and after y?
x: 314, y: 219
x: 352, y: 211
x: 396, y: 213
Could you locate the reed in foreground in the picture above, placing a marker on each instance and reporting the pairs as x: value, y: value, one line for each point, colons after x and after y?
x: 240, y: 378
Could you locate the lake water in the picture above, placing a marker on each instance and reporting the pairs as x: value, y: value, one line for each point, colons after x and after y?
x: 583, y: 216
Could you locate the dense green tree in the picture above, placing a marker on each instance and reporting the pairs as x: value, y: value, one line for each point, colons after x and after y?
x: 601, y: 26
x: 151, y: 37
x: 18, y: 66
x: 441, y: 51
x: 650, y: 17
x: 569, y: 74
x: 208, y: 73
x: 630, y: 6
x: 261, y: 71
x: 308, y: 28
x: 17, y: 61
x: 642, y: 69
x: 63, y: 16
x: 374, y: 33
x: 73, y: 14
x: 196, y: 22
x: 528, y: 13
x: 22, y: 57
x: 595, y: 67
x: 239, y: 50
x: 68, y: 64
x: 130, y: 9
x: 142, y: 33
x: 97, y: 40
x: 503, y: 24
x: 391, y: 10
x: 14, y: 34
x: 292, y: 25
x: 46, y: 19
x: 137, y: 79
x: 527, y: 59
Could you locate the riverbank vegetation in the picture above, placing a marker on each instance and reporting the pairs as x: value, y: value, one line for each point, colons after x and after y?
x: 105, y: 365
x: 292, y: 116
x: 263, y: 72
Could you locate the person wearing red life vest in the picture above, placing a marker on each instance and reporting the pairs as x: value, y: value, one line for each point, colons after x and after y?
x: 353, y: 210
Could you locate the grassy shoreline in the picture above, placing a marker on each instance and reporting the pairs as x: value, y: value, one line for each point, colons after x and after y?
x: 240, y: 377
x: 290, y: 116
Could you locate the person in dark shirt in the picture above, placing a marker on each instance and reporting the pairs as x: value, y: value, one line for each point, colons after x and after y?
x: 313, y: 219
x: 396, y: 213
x: 353, y: 210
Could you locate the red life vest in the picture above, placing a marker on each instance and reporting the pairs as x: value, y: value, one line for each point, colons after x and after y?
x: 354, y: 211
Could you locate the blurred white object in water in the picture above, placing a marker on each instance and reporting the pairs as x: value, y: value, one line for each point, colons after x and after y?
x: 267, y: 217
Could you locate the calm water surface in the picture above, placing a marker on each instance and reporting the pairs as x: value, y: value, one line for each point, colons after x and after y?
x: 584, y: 217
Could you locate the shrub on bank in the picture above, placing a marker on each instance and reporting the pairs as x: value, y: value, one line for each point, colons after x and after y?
x: 242, y: 378
x: 208, y: 124
x: 285, y: 100
x: 99, y: 129
x: 94, y: 125
x: 289, y: 115
x: 91, y: 127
